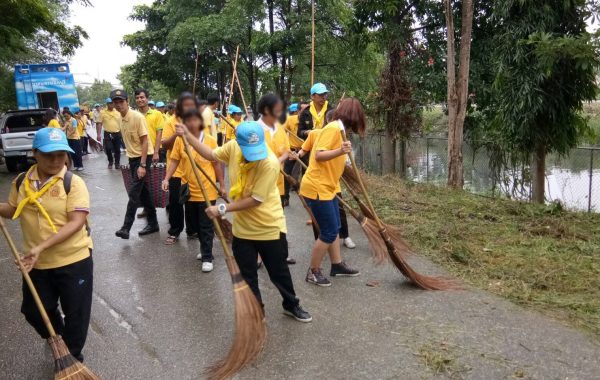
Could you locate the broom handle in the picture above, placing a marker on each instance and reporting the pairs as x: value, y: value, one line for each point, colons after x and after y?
x: 237, y: 79
x: 34, y: 293
x: 213, y: 184
x: 237, y: 52
x: 292, y: 181
x: 227, y: 122
x: 362, y: 185
x: 216, y: 224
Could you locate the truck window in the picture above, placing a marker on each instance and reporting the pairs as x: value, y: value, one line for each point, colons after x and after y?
x: 23, y: 123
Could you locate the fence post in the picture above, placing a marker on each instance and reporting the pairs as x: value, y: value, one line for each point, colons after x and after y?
x: 427, y: 159
x: 591, y: 177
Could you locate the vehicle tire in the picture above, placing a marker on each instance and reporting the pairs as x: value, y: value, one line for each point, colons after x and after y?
x: 12, y: 164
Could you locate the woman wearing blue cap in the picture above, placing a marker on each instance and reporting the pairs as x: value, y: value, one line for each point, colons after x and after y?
x: 258, y: 221
x: 52, y: 205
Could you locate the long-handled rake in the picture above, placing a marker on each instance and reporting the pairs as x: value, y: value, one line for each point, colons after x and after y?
x: 424, y: 282
x: 65, y: 364
x: 250, y: 330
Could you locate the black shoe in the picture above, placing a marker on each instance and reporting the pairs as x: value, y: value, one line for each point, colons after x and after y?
x: 343, y: 270
x: 192, y: 236
x: 298, y: 314
x: 286, y: 202
x: 148, y: 230
x: 290, y: 261
x: 315, y: 276
x: 122, y: 233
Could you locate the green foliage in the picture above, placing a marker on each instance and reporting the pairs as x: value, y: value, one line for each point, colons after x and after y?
x: 97, y: 92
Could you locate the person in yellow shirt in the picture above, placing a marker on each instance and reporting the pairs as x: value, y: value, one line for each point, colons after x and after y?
x: 291, y: 127
x: 50, y: 120
x: 135, y: 135
x: 185, y: 102
x: 321, y: 183
x: 270, y: 108
x: 52, y: 205
x: 83, y: 140
x: 110, y: 120
x: 154, y: 121
x: 195, y: 215
x: 235, y: 115
x: 69, y: 127
x: 258, y: 222
x: 208, y: 114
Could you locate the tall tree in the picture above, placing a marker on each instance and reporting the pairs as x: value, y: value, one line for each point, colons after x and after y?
x: 458, y: 87
x: 545, y: 63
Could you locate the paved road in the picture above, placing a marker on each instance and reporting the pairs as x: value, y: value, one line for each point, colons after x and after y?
x: 157, y: 316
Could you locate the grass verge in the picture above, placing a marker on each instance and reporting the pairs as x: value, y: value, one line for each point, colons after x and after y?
x: 537, y: 256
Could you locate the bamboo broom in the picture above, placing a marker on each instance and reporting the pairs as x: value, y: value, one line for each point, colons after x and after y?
x: 422, y: 281
x: 250, y: 330
x: 65, y: 364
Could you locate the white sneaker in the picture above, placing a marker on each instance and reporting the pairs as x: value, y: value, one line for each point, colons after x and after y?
x: 199, y: 256
x: 207, y: 267
x: 349, y: 243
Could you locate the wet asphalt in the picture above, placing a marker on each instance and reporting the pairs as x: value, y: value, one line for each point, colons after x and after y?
x: 157, y: 316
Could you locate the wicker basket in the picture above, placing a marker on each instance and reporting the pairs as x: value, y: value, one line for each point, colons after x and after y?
x: 153, y: 179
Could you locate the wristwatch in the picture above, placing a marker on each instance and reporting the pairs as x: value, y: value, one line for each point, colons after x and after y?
x: 143, y: 165
x: 222, y: 208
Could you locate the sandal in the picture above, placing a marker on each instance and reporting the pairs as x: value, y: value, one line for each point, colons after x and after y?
x: 170, y: 240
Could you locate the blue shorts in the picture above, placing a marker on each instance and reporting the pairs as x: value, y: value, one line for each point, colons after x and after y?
x: 327, y: 214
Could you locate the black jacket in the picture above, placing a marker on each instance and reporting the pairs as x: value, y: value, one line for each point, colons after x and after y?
x: 305, y: 121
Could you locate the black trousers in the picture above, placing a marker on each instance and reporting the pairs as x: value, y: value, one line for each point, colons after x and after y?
x: 343, y: 220
x: 288, y: 168
x: 198, y: 222
x: 84, y: 145
x: 176, y: 213
x: 70, y: 285
x: 75, y: 144
x: 112, y: 147
x: 139, y: 195
x: 273, y: 254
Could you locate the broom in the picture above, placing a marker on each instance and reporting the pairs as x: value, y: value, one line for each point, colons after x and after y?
x: 293, y: 182
x: 422, y: 281
x: 65, y: 365
x: 250, y: 330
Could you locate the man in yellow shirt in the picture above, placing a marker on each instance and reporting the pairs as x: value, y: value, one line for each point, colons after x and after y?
x: 208, y: 115
x: 291, y: 127
x: 258, y: 221
x: 154, y: 121
x: 135, y: 135
x: 234, y: 117
x: 110, y: 120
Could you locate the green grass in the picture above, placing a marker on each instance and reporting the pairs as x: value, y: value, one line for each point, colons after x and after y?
x: 537, y: 256
x: 592, y: 112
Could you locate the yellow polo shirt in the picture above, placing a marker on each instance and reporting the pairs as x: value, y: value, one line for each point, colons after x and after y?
x: 322, y: 178
x: 188, y: 176
x: 208, y: 118
x: 111, y: 120
x: 265, y: 221
x: 229, y: 131
x: 279, y: 143
x: 71, y: 130
x: 133, y: 127
x: 291, y: 124
x: 167, y: 133
x: 80, y: 126
x: 54, y: 124
x: 154, y: 122
x: 58, y: 204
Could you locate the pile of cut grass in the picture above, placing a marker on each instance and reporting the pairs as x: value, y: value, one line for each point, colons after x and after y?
x: 537, y: 256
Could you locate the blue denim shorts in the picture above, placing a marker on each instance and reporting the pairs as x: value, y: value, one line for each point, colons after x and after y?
x: 327, y: 214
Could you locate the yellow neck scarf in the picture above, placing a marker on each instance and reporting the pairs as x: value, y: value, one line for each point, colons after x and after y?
x: 237, y: 190
x: 32, y: 198
x: 318, y: 117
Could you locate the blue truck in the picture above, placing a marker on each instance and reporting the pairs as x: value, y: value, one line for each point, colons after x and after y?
x: 38, y: 87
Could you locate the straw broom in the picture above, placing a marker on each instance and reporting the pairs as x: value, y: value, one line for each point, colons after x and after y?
x: 422, y: 281
x: 250, y: 330
x: 65, y: 365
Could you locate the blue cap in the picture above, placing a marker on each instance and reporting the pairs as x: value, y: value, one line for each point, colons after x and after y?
x: 160, y: 104
x: 250, y: 137
x: 318, y: 88
x: 151, y: 103
x: 293, y: 107
x: 51, y: 140
x: 108, y: 100
x: 234, y: 109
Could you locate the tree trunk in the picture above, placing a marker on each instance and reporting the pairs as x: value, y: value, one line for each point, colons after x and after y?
x: 458, y: 89
x: 539, y: 175
x: 388, y: 155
